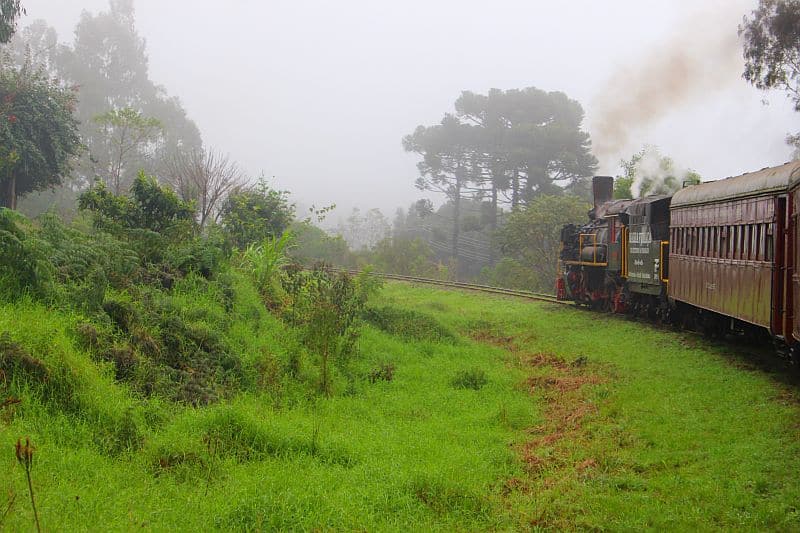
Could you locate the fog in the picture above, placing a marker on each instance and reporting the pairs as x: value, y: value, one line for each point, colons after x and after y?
x: 319, y: 94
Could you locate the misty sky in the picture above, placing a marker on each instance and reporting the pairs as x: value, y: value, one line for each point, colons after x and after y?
x: 319, y: 94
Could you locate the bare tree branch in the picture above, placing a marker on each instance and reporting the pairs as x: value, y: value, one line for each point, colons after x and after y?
x: 206, y: 177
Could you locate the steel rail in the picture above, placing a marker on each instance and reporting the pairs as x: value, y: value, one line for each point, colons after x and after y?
x: 466, y: 286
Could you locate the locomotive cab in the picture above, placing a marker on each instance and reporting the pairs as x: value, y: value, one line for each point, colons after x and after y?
x: 647, y: 246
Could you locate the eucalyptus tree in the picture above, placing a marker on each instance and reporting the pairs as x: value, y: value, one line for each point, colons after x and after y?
x: 10, y: 10
x: 107, y: 61
x: 771, y: 37
x: 125, y: 134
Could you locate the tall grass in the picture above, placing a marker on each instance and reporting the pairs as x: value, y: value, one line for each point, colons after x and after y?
x: 189, y: 401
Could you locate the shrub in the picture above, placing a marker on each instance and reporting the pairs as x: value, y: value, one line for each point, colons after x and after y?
x: 149, y: 207
x: 383, y: 372
x: 252, y: 215
x: 24, y: 265
x: 264, y: 263
x: 511, y: 274
x: 150, y: 219
x: 473, y: 379
x: 408, y: 323
x: 327, y: 306
x: 17, y: 363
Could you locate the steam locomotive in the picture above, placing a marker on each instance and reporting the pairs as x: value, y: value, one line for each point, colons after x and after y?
x: 718, y: 257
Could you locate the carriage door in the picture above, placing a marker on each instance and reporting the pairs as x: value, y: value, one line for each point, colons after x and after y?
x: 789, y: 281
x: 779, y: 267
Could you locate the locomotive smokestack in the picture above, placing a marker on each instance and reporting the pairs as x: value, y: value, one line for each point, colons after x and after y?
x: 602, y: 189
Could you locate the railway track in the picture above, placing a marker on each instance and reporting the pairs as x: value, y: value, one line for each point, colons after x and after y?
x: 467, y: 286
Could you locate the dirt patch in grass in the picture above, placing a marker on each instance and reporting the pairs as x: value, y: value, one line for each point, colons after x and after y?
x: 560, y: 450
x: 552, y: 454
x: 486, y: 332
x: 501, y: 341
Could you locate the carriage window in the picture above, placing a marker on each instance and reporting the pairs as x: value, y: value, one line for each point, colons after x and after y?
x: 758, y: 255
x: 769, y: 244
x: 749, y: 238
x: 723, y: 241
x: 682, y: 239
x: 745, y: 242
x: 742, y: 242
x: 701, y: 234
x: 706, y: 233
x: 702, y: 244
x: 685, y: 241
x: 714, y: 241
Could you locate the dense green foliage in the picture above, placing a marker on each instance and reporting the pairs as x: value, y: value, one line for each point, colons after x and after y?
x: 408, y: 257
x: 515, y: 144
x: 122, y: 133
x: 38, y: 133
x: 532, y: 238
x: 254, y: 214
x: 150, y: 206
x: 513, y: 274
x: 312, y: 244
x: 107, y: 64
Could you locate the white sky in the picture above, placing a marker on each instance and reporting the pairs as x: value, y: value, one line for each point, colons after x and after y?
x: 319, y: 94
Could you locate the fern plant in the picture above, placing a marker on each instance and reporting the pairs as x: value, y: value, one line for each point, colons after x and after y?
x: 264, y: 262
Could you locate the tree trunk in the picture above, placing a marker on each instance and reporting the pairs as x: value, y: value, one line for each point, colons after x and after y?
x: 493, y: 221
x: 515, y: 190
x: 8, y: 193
x: 532, y: 180
x: 456, y: 219
x: 537, y: 176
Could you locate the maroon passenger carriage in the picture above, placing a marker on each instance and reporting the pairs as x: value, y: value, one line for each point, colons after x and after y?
x: 731, y: 254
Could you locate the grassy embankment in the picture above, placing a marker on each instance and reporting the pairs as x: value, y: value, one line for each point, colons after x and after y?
x: 584, y: 421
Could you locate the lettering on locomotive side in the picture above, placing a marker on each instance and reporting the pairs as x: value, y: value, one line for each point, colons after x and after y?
x: 640, y: 237
x: 639, y: 275
x: 640, y: 251
x: 638, y: 262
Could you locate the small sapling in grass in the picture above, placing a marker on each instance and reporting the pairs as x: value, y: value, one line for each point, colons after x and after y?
x: 383, y: 372
x: 7, y: 408
x: 12, y: 497
x: 473, y: 379
x: 213, y: 446
x: 25, y: 458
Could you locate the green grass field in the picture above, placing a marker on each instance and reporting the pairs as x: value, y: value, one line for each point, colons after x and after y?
x: 491, y: 413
